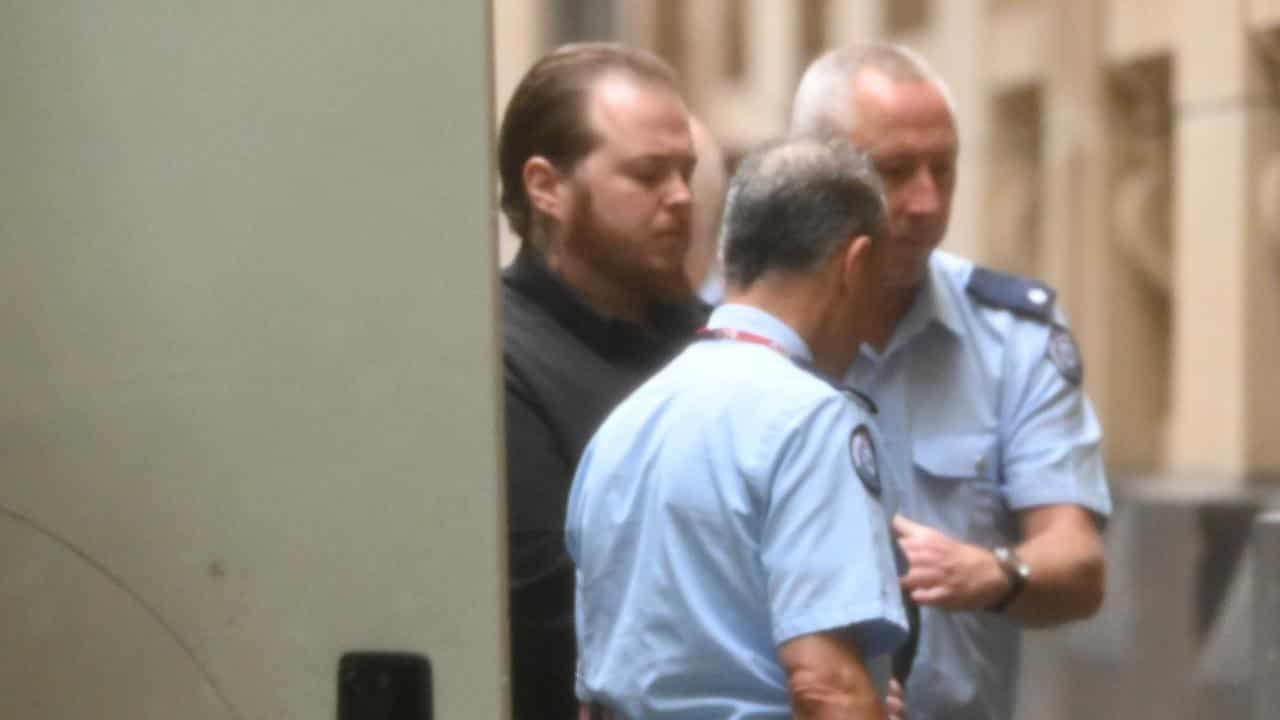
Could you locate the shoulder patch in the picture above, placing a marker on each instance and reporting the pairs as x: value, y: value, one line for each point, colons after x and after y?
x: 1012, y: 292
x: 862, y: 451
x: 1065, y: 356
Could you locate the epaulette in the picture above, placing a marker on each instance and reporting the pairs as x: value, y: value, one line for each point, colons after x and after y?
x: 1012, y: 292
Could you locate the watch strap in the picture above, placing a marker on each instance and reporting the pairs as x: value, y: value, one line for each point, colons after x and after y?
x: 1016, y: 571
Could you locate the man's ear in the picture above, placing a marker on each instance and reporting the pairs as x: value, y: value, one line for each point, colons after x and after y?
x: 544, y: 185
x: 856, y: 259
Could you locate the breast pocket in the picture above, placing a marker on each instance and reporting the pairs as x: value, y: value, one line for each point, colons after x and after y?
x: 956, y: 489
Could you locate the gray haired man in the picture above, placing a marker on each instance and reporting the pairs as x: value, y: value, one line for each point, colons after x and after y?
x: 981, y: 398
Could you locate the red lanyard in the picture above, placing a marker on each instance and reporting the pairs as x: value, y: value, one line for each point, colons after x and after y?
x: 748, y: 337
x: 741, y: 336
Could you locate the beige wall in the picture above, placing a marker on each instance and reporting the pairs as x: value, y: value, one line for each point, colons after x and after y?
x: 249, y: 387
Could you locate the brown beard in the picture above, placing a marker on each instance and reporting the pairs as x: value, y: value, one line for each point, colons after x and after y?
x: 609, y: 253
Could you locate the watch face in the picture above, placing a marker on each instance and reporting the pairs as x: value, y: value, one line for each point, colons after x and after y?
x: 1015, y: 570
x: 1011, y: 563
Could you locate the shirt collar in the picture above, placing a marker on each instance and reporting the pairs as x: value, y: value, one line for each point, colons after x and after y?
x: 752, y: 319
x: 933, y: 305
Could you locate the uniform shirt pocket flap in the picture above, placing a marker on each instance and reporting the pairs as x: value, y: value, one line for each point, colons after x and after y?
x: 957, y: 456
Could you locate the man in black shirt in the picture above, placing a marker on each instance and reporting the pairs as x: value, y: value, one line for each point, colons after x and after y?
x: 595, y: 155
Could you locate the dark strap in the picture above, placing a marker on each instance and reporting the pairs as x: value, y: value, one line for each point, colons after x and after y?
x: 905, y: 656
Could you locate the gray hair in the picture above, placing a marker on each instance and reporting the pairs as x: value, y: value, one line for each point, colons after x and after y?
x: 823, y: 103
x: 793, y: 202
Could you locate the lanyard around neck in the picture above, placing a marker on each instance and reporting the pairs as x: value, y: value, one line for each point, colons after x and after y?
x: 749, y: 337
x: 743, y: 336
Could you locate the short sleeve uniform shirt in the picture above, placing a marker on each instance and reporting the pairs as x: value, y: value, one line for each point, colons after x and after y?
x: 727, y: 506
x: 981, y: 404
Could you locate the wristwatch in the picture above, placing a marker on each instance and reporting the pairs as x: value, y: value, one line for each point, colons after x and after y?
x: 1018, y: 573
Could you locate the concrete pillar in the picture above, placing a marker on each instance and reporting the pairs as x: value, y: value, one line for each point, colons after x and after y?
x: 1136, y: 260
x: 773, y: 62
x: 519, y: 39
x: 1137, y: 28
x: 1012, y: 71
x: 958, y: 57
x: 852, y: 20
x: 1264, y: 13
x: 1226, y: 340
x: 1074, y: 182
x: 637, y: 22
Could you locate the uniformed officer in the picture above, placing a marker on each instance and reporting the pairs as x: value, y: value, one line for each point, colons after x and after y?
x: 979, y: 386
x: 732, y: 559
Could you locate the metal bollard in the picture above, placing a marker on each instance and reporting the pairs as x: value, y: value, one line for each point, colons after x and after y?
x: 1266, y: 616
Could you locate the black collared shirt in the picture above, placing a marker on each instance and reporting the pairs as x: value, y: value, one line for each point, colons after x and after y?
x: 566, y: 367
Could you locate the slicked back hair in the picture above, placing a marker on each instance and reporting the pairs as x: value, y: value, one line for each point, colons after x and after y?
x: 547, y: 114
x: 793, y: 202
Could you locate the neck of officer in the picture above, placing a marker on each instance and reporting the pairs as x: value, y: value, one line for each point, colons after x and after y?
x: 809, y: 306
x: 892, y: 304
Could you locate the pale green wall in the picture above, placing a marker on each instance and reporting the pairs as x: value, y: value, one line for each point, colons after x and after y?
x: 248, y: 384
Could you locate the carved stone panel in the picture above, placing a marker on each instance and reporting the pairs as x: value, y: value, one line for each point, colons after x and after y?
x: 1141, y: 209
x: 1141, y: 261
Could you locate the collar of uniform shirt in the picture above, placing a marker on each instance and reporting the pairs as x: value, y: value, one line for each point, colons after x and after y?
x: 932, y: 304
x: 747, y: 318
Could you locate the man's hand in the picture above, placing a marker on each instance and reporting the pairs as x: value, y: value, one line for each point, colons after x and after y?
x: 895, y: 703
x: 946, y: 573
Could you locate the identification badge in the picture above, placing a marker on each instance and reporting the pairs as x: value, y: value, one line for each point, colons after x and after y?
x: 863, y: 453
x: 1065, y: 356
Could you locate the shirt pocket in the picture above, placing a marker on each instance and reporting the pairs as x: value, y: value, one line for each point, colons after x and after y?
x: 956, y: 489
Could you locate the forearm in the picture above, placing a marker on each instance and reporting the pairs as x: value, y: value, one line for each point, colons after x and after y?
x: 1064, y: 552
x: 828, y: 681
x: 1060, y: 545
x: 829, y: 701
x: 871, y: 709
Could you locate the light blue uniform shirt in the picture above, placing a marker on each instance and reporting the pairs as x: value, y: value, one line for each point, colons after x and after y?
x: 983, y: 423
x: 717, y: 514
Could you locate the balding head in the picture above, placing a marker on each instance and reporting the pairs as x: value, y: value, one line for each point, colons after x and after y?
x: 889, y: 103
x: 825, y: 102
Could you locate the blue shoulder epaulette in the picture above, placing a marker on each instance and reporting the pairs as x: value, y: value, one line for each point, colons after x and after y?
x: 1012, y: 292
